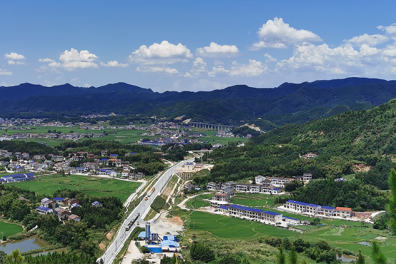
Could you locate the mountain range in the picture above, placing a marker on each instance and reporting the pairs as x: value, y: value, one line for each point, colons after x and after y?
x: 267, y: 107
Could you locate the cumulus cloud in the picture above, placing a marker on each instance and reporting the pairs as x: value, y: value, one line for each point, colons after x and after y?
x: 216, y: 50
x: 45, y: 60
x: 254, y: 68
x: 163, y: 53
x: 14, y: 56
x: 391, y: 30
x: 218, y: 70
x: 73, y: 59
x: 157, y: 69
x: 5, y: 72
x: 340, y: 60
x: 371, y: 40
x: 277, y: 34
x: 114, y: 63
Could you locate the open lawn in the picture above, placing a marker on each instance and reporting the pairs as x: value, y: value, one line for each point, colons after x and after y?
x: 254, y: 199
x: 10, y: 229
x: 94, y: 186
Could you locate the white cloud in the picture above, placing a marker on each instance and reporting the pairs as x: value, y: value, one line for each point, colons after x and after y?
x: 5, y: 72
x: 187, y: 75
x: 371, y: 40
x: 216, y: 70
x: 163, y: 53
x: 263, y: 44
x: 11, y: 62
x: 391, y: 30
x: 73, y: 59
x: 14, y: 56
x: 277, y: 34
x: 3, y: 84
x: 45, y: 60
x: 216, y: 50
x: 254, y: 68
x: 114, y: 63
x: 157, y: 69
x: 269, y: 58
x: 365, y: 61
x: 218, y: 63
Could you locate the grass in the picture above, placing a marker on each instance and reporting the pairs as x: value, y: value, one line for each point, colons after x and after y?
x: 254, y: 199
x: 151, y: 214
x: 195, y: 204
x: 338, y: 233
x: 10, y: 229
x: 94, y: 186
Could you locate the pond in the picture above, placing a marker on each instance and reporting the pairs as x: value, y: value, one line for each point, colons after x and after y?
x: 26, y: 244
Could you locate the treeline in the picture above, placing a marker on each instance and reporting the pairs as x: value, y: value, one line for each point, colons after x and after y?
x: 351, y: 194
x: 175, y: 152
x: 33, y: 148
x: 61, y: 258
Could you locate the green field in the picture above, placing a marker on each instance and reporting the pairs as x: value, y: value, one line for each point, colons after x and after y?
x: 93, y: 186
x: 345, y: 236
x: 254, y: 199
x: 121, y: 135
x: 10, y: 229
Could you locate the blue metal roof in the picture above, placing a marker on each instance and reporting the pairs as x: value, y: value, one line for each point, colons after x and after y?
x: 102, y: 170
x: 29, y: 174
x: 327, y: 207
x: 132, y: 152
x: 169, y: 243
x: 80, y: 168
x: 313, y: 205
x: 43, y: 208
x: 246, y: 208
x: 290, y: 218
x: 59, y: 199
x: 113, y: 155
x: 276, y: 189
x: 271, y: 213
x: 104, y: 159
x: 223, y: 207
x: 300, y: 203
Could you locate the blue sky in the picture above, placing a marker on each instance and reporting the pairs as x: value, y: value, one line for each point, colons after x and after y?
x: 194, y: 45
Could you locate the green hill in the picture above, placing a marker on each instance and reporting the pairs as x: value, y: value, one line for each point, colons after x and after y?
x: 346, y: 144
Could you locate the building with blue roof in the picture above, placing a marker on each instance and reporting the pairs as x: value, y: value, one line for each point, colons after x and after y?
x: 43, y: 210
x: 254, y: 213
x: 326, y: 210
x: 59, y: 200
x: 169, y: 244
x: 97, y: 204
x: 17, y: 177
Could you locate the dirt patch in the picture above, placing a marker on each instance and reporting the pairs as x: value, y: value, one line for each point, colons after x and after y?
x: 177, y: 220
x: 360, y: 167
x: 164, y: 225
x: 381, y: 238
x: 109, y: 235
x: 102, y: 246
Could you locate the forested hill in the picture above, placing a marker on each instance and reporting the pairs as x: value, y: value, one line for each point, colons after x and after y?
x: 357, y: 145
x: 267, y: 107
x: 341, y: 142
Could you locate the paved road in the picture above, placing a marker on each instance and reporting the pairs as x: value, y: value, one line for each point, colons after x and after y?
x: 143, y: 208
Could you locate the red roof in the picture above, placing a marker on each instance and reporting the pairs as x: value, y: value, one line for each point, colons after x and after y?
x: 344, y: 209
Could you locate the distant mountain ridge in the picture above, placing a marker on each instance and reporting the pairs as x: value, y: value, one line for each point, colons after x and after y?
x: 269, y: 107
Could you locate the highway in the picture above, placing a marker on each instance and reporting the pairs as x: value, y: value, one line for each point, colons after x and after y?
x: 143, y: 208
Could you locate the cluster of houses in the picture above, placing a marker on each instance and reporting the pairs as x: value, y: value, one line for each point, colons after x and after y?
x: 62, y: 207
x: 17, y: 178
x: 264, y: 185
x: 317, y: 210
x: 71, y: 136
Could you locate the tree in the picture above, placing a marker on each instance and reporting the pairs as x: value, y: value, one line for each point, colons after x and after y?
x: 280, y: 256
x: 15, y: 257
x: 376, y: 254
x: 360, y: 258
x: 293, y: 255
x: 392, y: 202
